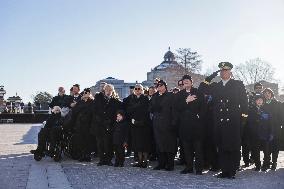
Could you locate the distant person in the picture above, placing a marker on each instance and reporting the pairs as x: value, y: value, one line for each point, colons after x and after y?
x: 60, y: 99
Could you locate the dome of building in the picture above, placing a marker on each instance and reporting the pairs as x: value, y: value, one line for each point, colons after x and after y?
x: 169, y: 56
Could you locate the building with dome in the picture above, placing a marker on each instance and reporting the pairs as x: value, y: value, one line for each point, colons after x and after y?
x: 170, y: 71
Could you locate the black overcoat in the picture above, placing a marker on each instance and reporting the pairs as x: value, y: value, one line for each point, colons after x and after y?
x: 229, y: 102
x: 190, y: 115
x: 165, y: 132
x: 141, y: 133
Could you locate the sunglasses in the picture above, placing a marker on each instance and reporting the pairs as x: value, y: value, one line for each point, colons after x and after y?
x: 137, y: 89
x: 180, y: 84
x: 86, y: 92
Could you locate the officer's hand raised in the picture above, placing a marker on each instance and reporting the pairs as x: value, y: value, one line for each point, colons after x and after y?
x: 210, y: 77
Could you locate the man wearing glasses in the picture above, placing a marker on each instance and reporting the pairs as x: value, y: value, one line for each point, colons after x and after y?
x: 161, y: 106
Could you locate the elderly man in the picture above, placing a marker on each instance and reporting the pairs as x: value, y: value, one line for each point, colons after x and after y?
x: 60, y: 99
x: 230, y: 106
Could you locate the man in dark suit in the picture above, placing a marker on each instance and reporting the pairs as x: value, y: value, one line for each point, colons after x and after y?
x: 230, y: 106
x: 190, y: 109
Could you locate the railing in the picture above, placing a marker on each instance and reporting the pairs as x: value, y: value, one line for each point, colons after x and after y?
x: 23, y: 118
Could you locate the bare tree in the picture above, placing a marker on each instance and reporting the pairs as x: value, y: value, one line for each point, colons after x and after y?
x: 254, y: 70
x: 190, y: 60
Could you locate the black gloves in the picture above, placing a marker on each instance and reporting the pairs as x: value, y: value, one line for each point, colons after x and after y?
x: 210, y: 77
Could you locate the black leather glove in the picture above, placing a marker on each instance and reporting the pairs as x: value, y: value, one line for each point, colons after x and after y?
x: 210, y: 77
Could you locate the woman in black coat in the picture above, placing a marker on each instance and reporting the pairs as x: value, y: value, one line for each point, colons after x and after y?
x: 137, y: 110
x: 161, y: 106
x: 104, y: 115
x: 82, y: 113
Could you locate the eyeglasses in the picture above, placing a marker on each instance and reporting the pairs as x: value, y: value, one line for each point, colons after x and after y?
x: 137, y: 89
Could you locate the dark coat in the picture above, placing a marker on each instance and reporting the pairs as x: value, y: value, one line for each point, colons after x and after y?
x: 120, y: 132
x: 141, y: 132
x: 59, y: 101
x: 104, y: 114
x: 259, y: 124
x: 163, y: 124
x: 81, y: 140
x: 190, y: 115
x: 54, y: 120
x: 82, y: 113
x: 274, y: 108
x: 70, y: 99
x: 229, y: 103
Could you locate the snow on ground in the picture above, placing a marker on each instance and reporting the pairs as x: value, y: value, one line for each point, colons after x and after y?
x: 19, y: 170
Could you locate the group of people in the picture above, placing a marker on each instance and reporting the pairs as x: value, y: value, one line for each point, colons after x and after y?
x: 205, y: 127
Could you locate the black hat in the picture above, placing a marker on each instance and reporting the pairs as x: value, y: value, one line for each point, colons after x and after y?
x: 225, y: 66
x: 186, y: 77
x: 162, y: 82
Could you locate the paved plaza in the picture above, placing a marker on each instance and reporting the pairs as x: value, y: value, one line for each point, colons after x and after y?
x: 19, y: 170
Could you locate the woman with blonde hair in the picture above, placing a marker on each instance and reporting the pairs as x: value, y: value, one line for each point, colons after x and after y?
x: 137, y: 112
x: 104, y: 116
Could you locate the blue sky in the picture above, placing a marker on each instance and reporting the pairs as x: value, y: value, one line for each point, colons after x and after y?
x: 50, y: 43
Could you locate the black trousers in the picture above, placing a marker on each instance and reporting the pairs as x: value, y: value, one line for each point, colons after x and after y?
x: 166, y: 159
x: 229, y: 161
x: 105, y: 150
x: 274, y: 149
x: 246, y: 149
x: 85, y: 143
x: 257, y: 147
x: 210, y: 155
x: 181, y: 150
x: 119, y: 154
x: 193, y: 149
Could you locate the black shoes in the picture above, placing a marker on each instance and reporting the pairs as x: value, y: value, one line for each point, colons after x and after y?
x: 226, y: 175
x: 264, y: 168
x: 257, y: 168
x: 198, y: 173
x: 85, y: 158
x: 139, y: 164
x: 246, y: 164
x: 273, y: 166
x: 186, y: 171
x: 144, y: 164
x: 159, y: 167
x: 100, y: 163
x: 169, y: 168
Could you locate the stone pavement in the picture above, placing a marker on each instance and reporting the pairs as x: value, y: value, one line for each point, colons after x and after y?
x: 19, y: 170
